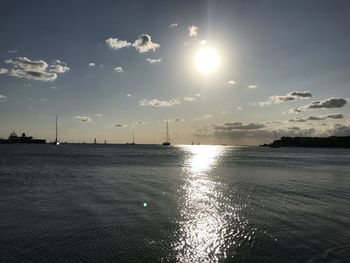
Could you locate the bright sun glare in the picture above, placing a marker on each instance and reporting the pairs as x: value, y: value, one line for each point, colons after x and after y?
x: 207, y: 60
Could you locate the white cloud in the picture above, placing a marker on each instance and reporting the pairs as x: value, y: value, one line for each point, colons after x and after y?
x: 231, y: 82
x: 83, y: 118
x: 203, y: 117
x: 3, y: 71
x: 198, y: 94
x: 154, y: 60
x: 115, y: 43
x: 12, y: 51
x: 119, y: 69
x: 98, y: 115
x: 144, y: 44
x: 3, y: 98
x: 92, y: 64
x: 252, y: 86
x: 239, y: 108
x: 174, y: 25
x: 23, y: 67
x: 189, y: 99
x: 223, y: 112
x: 193, y: 31
x: 128, y: 95
x: 159, y: 103
x: 202, y: 42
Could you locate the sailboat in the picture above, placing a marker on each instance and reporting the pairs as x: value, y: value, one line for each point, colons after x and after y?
x: 167, y: 142
x: 56, y: 142
x: 133, y: 138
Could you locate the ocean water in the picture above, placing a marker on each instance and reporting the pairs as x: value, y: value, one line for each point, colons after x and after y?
x: 124, y: 203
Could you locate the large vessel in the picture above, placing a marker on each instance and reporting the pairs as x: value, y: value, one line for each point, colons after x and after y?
x: 167, y: 141
x: 13, y: 138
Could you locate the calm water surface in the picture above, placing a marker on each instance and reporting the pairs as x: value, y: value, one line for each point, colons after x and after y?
x: 115, y: 203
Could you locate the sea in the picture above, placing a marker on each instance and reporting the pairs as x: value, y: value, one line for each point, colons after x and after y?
x: 182, y: 203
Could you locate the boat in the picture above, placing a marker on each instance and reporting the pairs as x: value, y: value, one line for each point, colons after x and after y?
x: 13, y: 138
x: 133, y: 138
x: 56, y: 142
x: 167, y: 141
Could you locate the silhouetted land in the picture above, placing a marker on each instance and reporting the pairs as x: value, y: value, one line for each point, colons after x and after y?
x: 315, y: 142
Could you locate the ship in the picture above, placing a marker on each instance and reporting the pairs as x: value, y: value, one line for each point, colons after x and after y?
x: 13, y: 138
x: 167, y: 141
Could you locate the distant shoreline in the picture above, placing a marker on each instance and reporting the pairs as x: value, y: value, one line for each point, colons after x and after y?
x: 311, y: 142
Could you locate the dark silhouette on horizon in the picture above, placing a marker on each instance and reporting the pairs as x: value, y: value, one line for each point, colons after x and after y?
x: 13, y: 138
x: 314, y: 142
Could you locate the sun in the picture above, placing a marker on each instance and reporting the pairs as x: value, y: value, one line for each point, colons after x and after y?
x: 207, y: 60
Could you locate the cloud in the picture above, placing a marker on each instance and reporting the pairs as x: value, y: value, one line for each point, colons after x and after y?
x: 115, y: 43
x: 335, y: 116
x: 56, y: 68
x: 172, y: 120
x: 253, y: 133
x: 159, y: 103
x: 239, y: 108
x: 154, y: 60
x: 23, y: 67
x: 12, y: 51
x: 294, y: 95
x: 223, y: 112
x: 119, y: 69
x: 198, y: 94
x: 301, y: 94
x: 121, y: 125
x: 330, y: 103
x: 140, y: 123
x: 252, y: 86
x: 3, y: 71
x: 193, y: 31
x: 202, y: 42
x: 318, y: 118
x: 98, y: 115
x: 231, y: 82
x: 144, y: 44
x: 174, y: 25
x: 189, y: 99
x: 128, y: 95
x: 339, y: 130
x: 3, y: 98
x: 83, y: 118
x: 92, y: 64
x: 239, y: 126
x: 203, y: 117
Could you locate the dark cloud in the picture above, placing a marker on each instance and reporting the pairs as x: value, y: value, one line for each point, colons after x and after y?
x: 23, y: 67
x: 294, y: 95
x: 323, y: 104
x: 144, y: 44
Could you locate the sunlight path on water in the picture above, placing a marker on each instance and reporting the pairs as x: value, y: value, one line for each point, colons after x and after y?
x: 210, y: 224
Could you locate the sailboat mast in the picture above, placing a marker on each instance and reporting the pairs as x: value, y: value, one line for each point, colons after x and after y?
x: 56, y: 129
x: 133, y: 135
x: 167, y: 131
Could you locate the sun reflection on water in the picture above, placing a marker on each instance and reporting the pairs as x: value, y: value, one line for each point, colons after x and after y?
x: 210, y: 222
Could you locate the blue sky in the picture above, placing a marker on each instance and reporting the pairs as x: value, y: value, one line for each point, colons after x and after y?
x: 267, y: 51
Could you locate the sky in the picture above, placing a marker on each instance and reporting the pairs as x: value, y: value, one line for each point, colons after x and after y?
x: 108, y: 67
